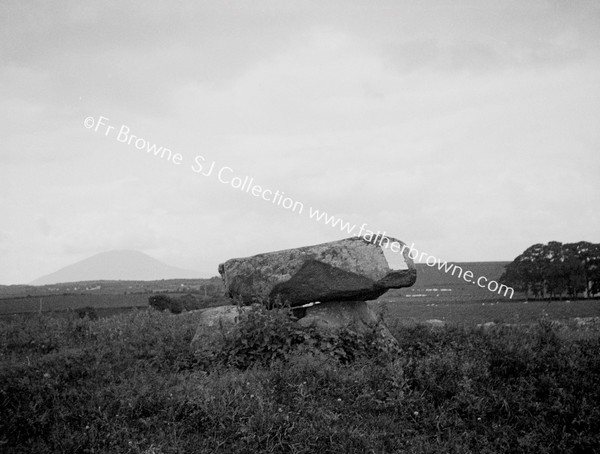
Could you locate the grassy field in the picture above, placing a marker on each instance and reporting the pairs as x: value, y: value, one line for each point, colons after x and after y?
x: 131, y: 384
x: 200, y: 286
x: 106, y: 297
x: 53, y: 303
x: 103, y: 304
x: 472, y: 312
x: 458, y: 308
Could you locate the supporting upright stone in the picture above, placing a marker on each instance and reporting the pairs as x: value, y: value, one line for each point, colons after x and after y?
x: 333, y: 315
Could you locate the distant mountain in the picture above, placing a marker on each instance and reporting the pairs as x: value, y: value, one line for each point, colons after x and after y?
x: 116, y: 265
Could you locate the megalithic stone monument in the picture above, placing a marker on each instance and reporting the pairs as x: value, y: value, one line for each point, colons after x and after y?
x: 353, y: 269
x: 338, y: 277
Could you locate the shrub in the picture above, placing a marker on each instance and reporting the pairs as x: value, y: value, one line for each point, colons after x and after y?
x: 164, y: 302
x: 190, y: 302
x: 88, y: 311
x: 263, y: 336
x: 160, y: 302
x: 176, y: 306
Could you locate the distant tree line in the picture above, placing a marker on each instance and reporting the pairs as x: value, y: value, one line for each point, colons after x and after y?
x: 555, y: 270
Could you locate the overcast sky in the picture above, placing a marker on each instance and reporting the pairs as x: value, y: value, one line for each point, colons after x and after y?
x: 470, y: 129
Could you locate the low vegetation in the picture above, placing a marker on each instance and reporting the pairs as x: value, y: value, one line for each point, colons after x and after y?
x: 176, y: 305
x: 472, y: 312
x: 131, y: 384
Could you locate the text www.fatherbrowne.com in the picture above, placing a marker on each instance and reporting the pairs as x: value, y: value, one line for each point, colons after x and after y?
x: 413, y: 253
x: 227, y: 176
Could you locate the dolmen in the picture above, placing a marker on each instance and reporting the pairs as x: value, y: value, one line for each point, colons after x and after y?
x: 326, y: 285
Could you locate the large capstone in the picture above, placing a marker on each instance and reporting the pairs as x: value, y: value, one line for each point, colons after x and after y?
x: 353, y: 269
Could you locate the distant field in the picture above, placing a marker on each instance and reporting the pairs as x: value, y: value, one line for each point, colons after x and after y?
x: 481, y: 311
x: 454, y: 310
x: 442, y: 296
x: 432, y: 282
x: 51, y: 303
x: 199, y: 286
x: 435, y: 295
